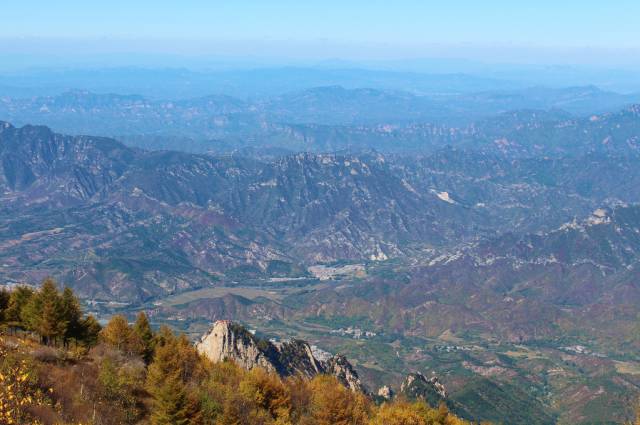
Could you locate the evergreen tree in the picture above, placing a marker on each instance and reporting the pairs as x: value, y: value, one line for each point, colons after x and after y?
x: 18, y: 299
x: 90, y: 331
x: 143, y: 331
x: 333, y: 404
x: 174, y: 354
x: 165, y: 359
x: 4, y: 303
x: 50, y: 326
x: 121, y: 336
x: 175, y: 364
x: 117, y: 332
x: 43, y: 313
x: 49, y: 320
x: 30, y: 313
x: 170, y: 403
x: 72, y: 315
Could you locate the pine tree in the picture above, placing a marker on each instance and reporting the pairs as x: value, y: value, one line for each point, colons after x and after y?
x: 170, y: 403
x: 333, y: 404
x: 18, y: 299
x: 117, y: 332
x: 175, y: 364
x: 72, y: 315
x: 165, y: 360
x: 90, y: 331
x: 174, y: 354
x: 43, y: 313
x: 47, y: 314
x: 142, y: 329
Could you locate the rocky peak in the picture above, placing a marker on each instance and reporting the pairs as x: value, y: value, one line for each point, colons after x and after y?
x: 295, y: 357
x: 340, y: 367
x: 418, y: 386
x: 227, y: 340
x: 385, y: 392
x: 230, y: 341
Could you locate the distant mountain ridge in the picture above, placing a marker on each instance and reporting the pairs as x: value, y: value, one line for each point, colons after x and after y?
x: 312, y: 119
x: 187, y: 220
x: 179, y: 213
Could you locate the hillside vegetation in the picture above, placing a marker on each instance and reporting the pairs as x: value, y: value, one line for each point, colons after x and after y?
x: 58, y: 367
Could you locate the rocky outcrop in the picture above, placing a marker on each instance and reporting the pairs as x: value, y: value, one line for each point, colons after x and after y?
x: 340, y: 367
x: 230, y: 341
x: 227, y: 340
x: 417, y: 386
x: 385, y: 392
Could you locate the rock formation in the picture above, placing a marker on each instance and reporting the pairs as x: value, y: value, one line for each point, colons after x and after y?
x: 230, y: 341
x: 385, y: 392
x: 227, y: 340
x: 418, y: 386
x: 340, y: 367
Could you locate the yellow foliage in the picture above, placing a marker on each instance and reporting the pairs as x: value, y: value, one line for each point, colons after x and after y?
x: 333, y: 404
x: 401, y: 413
x: 268, y: 391
x: 181, y: 387
x: 405, y: 413
x: 17, y: 391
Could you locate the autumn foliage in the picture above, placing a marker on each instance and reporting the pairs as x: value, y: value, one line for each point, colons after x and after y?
x: 18, y: 390
x: 137, y: 376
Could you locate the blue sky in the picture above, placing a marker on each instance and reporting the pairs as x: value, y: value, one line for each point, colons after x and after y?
x: 334, y: 28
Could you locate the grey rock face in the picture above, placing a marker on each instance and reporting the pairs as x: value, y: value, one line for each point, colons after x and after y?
x: 418, y: 386
x: 385, y: 392
x: 340, y: 367
x: 231, y: 341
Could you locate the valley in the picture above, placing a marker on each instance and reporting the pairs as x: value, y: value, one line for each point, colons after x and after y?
x: 320, y: 213
x: 503, y: 260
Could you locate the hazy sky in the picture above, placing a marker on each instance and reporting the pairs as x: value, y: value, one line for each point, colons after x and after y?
x: 499, y: 29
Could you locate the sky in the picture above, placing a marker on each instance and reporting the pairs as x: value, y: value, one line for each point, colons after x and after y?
x: 553, y: 31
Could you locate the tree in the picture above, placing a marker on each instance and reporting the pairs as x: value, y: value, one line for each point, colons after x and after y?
x: 175, y: 365
x: 333, y: 404
x: 72, y: 315
x: 4, y: 303
x: 51, y: 324
x: 119, y: 335
x: 18, y: 299
x: 174, y: 355
x: 116, y: 333
x: 119, y: 385
x: 401, y: 412
x: 43, y: 313
x: 170, y: 403
x: 143, y: 331
x: 268, y: 392
x: 90, y: 331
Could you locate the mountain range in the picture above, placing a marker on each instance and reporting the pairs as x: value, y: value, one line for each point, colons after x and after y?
x: 171, y: 213
x: 504, y: 256
x: 313, y: 119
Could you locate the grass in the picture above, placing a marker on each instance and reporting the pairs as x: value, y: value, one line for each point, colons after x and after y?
x: 525, y: 353
x: 628, y: 368
x: 220, y: 291
x: 448, y: 336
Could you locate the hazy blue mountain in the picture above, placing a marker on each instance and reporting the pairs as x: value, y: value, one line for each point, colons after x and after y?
x: 181, y: 83
x: 318, y: 119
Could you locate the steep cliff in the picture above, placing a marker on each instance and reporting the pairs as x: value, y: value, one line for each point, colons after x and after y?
x: 229, y: 340
x: 418, y: 386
